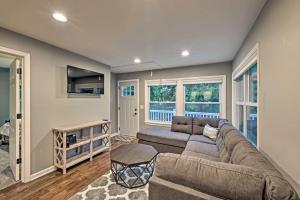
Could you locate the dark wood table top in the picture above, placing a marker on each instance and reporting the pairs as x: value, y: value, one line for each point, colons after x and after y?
x: 133, y: 154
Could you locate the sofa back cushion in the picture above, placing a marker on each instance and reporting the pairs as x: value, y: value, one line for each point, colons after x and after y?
x: 245, y: 154
x: 199, y: 124
x: 182, y: 124
x: 224, y: 129
x: 218, y: 179
x: 241, y: 151
x: 226, y: 141
x: 231, y: 139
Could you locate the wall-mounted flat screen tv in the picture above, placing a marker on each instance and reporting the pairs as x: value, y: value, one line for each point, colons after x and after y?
x: 82, y: 81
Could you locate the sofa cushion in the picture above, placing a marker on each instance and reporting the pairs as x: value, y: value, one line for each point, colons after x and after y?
x: 225, y: 128
x: 277, y: 187
x: 163, y: 148
x: 163, y: 136
x: 241, y: 151
x: 229, y: 140
x: 201, y: 138
x: 161, y: 189
x: 200, y: 155
x: 232, y: 138
x: 182, y: 124
x: 218, y: 179
x: 199, y: 123
x: 222, y: 122
x: 204, y: 148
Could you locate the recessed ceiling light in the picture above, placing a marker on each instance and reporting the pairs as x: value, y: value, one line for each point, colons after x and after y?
x: 59, y: 17
x: 137, y: 60
x: 185, y: 53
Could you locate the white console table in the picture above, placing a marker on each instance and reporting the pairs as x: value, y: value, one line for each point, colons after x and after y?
x: 61, y: 148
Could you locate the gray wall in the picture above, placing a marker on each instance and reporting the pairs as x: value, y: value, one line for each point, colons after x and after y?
x: 181, y: 72
x: 114, y: 103
x: 50, y: 105
x: 277, y: 31
x: 4, y: 94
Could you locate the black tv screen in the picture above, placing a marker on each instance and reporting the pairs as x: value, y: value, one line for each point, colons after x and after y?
x: 82, y: 81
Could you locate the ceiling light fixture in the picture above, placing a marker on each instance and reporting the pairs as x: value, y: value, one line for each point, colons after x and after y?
x: 137, y: 60
x: 185, y: 53
x: 59, y: 17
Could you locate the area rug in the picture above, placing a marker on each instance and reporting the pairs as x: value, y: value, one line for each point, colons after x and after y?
x: 105, y: 188
x: 6, y: 175
x: 123, y: 138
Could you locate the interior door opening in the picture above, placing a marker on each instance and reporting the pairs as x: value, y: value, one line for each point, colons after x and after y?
x: 10, y: 119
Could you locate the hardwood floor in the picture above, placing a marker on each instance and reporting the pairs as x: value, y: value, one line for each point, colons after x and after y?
x: 56, y: 186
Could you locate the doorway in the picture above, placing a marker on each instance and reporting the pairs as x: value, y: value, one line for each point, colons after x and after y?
x: 14, y: 117
x: 10, y: 119
x: 128, y: 107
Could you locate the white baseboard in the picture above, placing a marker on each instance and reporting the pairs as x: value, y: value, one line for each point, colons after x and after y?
x: 42, y: 173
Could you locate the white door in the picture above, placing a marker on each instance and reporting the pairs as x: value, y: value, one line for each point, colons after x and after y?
x: 128, y: 108
x: 15, y: 123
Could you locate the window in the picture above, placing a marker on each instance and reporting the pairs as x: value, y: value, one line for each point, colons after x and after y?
x: 197, y: 97
x: 202, y: 100
x: 246, y: 94
x: 162, y: 104
x: 127, y: 90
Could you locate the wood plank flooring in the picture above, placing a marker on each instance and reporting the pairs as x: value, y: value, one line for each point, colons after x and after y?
x: 56, y: 186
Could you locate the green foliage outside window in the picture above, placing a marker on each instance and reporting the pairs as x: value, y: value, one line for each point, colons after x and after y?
x: 204, y: 92
x: 163, y: 93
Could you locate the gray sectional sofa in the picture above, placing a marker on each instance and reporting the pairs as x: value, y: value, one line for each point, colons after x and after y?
x: 191, y: 166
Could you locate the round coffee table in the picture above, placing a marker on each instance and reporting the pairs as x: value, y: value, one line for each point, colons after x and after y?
x: 132, y: 165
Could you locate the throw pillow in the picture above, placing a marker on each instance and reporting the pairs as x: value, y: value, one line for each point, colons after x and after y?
x: 210, y: 132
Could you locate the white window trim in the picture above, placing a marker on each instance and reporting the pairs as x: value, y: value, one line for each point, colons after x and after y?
x: 179, y: 82
x: 251, y: 58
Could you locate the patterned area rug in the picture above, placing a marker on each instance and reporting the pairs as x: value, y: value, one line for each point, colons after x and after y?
x: 105, y: 188
x: 123, y: 138
x: 6, y: 175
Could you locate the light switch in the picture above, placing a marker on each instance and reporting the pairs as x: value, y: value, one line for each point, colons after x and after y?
x: 141, y: 107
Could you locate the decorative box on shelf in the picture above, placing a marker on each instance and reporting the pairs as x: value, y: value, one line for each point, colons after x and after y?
x: 75, y: 144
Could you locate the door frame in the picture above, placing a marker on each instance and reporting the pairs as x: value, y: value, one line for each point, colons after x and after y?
x: 137, y: 92
x: 25, y: 132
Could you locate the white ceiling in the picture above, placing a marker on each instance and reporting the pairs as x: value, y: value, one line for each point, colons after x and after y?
x: 114, y: 32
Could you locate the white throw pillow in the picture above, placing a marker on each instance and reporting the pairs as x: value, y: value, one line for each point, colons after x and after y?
x: 210, y: 132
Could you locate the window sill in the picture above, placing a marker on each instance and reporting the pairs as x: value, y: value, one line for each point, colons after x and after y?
x: 155, y: 123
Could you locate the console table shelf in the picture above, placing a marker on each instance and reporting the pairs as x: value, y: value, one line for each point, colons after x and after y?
x: 61, y: 146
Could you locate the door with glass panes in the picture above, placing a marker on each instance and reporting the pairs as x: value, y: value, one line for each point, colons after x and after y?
x: 128, y: 108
